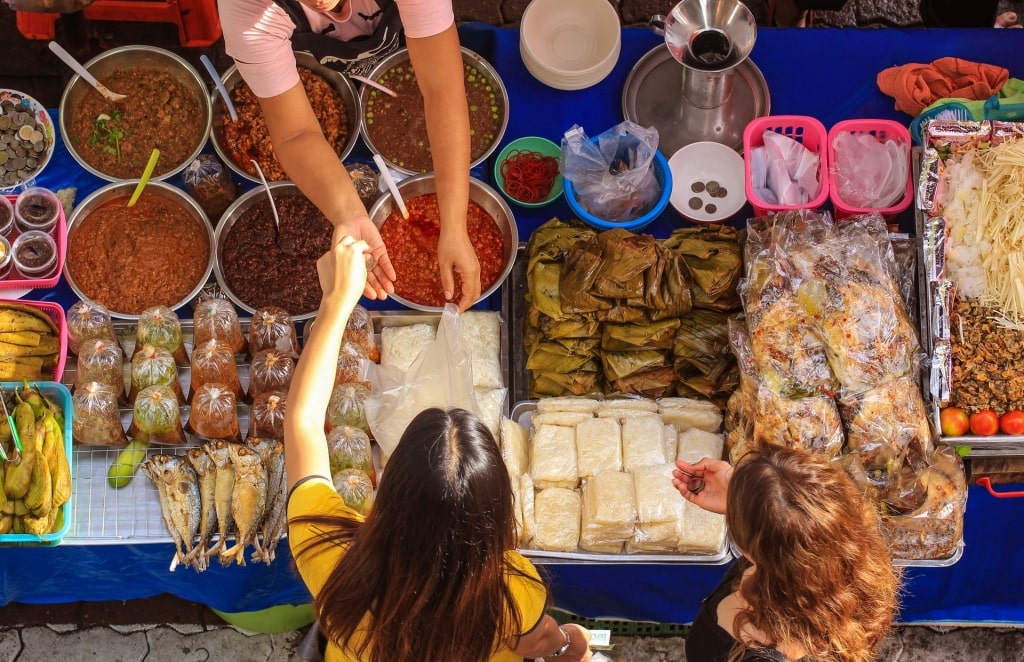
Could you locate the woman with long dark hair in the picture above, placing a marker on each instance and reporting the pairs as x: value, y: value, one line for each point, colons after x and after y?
x: 432, y: 572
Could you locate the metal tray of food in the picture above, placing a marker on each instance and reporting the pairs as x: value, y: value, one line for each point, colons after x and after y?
x: 522, y: 412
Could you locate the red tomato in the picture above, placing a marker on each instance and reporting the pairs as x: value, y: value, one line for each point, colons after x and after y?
x: 984, y: 423
x: 1012, y: 422
x: 954, y: 422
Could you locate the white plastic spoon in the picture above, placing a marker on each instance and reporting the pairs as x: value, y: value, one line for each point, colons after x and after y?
x: 389, y: 180
x: 86, y: 76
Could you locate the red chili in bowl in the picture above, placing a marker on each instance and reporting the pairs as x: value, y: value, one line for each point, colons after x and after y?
x: 412, y: 247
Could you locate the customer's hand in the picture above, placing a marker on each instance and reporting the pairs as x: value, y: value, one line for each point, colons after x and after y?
x: 342, y: 272
x: 715, y: 475
x: 380, y: 282
x: 456, y: 255
x: 580, y: 647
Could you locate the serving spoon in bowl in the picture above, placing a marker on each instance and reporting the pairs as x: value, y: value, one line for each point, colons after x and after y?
x: 70, y: 60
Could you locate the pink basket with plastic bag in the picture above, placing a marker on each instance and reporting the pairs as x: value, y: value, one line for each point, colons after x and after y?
x: 885, y: 132
x: 805, y: 130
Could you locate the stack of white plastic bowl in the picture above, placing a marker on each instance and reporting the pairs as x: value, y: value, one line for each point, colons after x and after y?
x: 570, y: 44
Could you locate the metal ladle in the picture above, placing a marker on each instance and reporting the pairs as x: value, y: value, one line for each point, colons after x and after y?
x: 69, y: 60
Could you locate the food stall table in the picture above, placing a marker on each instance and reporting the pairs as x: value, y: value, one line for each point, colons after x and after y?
x: 829, y: 74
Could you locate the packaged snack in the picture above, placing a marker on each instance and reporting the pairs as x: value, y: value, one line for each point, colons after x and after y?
x: 213, y: 413
x: 266, y: 415
x: 153, y: 366
x: 210, y: 183
x: 349, y: 448
x: 214, y: 362
x: 356, y: 488
x: 364, y: 178
x: 216, y: 318
x: 272, y: 328
x: 159, y: 326
x: 87, y: 320
x: 102, y: 360
x: 96, y: 419
x: 346, y: 407
x: 359, y: 331
x: 156, y: 417
x: 348, y: 363
x: 270, y: 370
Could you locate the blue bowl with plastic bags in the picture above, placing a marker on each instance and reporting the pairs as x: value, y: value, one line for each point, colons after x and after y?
x: 662, y: 174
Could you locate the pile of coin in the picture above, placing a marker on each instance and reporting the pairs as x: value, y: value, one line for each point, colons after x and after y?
x: 23, y: 142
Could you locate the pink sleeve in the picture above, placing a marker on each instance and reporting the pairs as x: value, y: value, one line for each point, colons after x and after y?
x: 425, y: 18
x: 257, y: 34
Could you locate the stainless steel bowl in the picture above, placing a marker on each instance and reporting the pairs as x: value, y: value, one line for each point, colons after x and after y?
x: 146, y: 57
x: 339, y: 81
x: 228, y: 219
x: 125, y: 189
x: 402, y: 57
x: 479, y: 192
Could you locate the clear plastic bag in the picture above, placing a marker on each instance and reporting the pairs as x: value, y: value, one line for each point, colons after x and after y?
x: 160, y: 327
x: 210, y: 183
x: 349, y: 448
x: 154, y: 366
x: 266, y: 415
x: 214, y: 362
x: 346, y: 407
x: 102, y: 360
x: 156, y: 417
x: 359, y: 331
x: 349, y: 357
x: 216, y: 319
x: 270, y: 370
x: 272, y: 328
x: 613, y: 177
x: 440, y: 376
x: 87, y: 320
x: 213, y: 413
x: 96, y: 419
x: 356, y: 488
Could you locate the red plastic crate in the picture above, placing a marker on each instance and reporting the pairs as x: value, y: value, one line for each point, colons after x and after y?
x: 882, y: 130
x: 15, y: 281
x: 805, y: 130
x: 56, y: 313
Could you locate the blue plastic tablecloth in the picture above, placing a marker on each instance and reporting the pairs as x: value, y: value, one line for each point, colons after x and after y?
x: 826, y: 73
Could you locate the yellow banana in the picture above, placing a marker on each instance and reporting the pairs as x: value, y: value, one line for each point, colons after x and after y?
x: 47, y: 345
x: 39, y: 496
x: 26, y: 338
x: 22, y: 317
x: 10, y: 370
x: 6, y: 523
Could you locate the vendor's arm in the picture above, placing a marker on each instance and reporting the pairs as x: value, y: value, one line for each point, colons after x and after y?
x: 342, y: 276
x: 548, y: 637
x: 314, y: 167
x: 439, y: 72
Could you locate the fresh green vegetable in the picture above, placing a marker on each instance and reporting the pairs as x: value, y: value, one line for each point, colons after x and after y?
x: 127, y: 463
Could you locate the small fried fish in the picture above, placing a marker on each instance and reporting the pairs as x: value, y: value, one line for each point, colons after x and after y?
x: 248, y: 502
x: 178, y: 487
x: 217, y: 449
x: 206, y: 471
x: 271, y: 451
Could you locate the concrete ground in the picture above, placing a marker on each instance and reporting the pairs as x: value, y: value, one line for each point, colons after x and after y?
x: 169, y: 629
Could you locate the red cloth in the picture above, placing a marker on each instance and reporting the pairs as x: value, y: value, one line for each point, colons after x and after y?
x: 917, y: 86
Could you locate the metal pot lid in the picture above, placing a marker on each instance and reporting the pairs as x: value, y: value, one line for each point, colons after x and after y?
x: 653, y: 96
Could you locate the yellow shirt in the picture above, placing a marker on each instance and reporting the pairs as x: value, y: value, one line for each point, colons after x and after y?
x: 317, y: 495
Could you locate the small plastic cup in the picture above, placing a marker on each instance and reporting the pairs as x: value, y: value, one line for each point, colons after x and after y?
x: 36, y: 208
x: 35, y: 254
x: 6, y: 216
x: 6, y: 260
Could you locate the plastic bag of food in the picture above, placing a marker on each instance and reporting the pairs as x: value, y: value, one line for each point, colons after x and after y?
x: 213, y: 413
x: 359, y: 331
x: 87, y: 320
x: 210, y: 183
x: 266, y: 415
x: 272, y: 328
x: 356, y: 488
x: 96, y: 419
x: 270, y: 370
x: 102, y: 360
x: 214, y: 362
x: 159, y: 326
x: 152, y: 366
x: 349, y: 448
x: 349, y: 357
x: 156, y: 417
x: 891, y: 414
x: 346, y: 407
x: 364, y: 178
x: 613, y: 175
x: 216, y: 319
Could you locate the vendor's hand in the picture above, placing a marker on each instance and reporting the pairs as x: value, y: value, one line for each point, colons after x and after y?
x: 580, y: 647
x: 380, y: 282
x: 715, y: 475
x: 456, y: 255
x: 342, y: 272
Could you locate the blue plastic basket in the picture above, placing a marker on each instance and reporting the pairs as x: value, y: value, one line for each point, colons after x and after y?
x: 62, y: 396
x: 664, y: 176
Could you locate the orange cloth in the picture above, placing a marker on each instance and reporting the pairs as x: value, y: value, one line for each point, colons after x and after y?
x: 917, y: 86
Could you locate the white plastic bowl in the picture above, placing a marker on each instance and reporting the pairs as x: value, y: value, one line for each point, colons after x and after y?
x: 570, y: 44
x: 693, y: 168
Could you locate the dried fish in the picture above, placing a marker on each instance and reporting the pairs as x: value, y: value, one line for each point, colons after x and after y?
x: 178, y: 488
x: 248, y: 502
x: 206, y: 471
x: 217, y: 449
x: 271, y: 452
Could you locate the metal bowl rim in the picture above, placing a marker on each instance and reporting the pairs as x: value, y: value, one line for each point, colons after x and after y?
x: 114, y: 189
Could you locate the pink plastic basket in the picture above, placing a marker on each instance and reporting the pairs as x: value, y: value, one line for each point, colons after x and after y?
x: 807, y: 131
x: 15, y: 281
x: 882, y: 130
x: 56, y: 313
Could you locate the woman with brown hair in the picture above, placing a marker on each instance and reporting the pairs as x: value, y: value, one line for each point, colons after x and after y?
x: 432, y: 572
x: 816, y: 581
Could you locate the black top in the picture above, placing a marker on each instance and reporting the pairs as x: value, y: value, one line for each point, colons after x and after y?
x: 710, y: 642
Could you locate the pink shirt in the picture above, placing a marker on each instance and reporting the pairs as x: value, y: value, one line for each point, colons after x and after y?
x: 257, y: 34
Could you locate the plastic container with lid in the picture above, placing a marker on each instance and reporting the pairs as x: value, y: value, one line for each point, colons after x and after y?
x: 37, y: 208
x: 6, y: 215
x: 6, y: 261
x: 35, y: 254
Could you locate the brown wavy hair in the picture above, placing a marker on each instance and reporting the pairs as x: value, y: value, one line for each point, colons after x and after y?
x: 428, y: 564
x: 824, y: 579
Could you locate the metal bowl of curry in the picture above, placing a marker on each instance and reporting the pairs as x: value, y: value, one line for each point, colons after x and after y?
x: 331, y: 95
x: 412, y: 242
x: 167, y: 108
x: 157, y: 252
